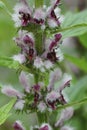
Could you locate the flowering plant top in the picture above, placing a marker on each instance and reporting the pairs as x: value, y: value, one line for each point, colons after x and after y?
x: 40, y: 52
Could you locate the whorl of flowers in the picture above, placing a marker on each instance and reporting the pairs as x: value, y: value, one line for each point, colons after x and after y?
x: 40, y: 53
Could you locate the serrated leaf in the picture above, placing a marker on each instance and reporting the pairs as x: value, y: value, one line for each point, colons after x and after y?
x: 81, y: 63
x: 74, y: 31
x: 4, y: 111
x: 73, y: 25
x: 9, y: 62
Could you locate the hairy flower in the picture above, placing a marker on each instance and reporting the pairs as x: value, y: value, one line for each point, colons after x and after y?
x: 20, y: 58
x: 26, y: 80
x: 45, y: 126
x: 42, y: 107
x: 66, y: 114
x: 65, y: 82
x: 19, y: 105
x: 11, y: 92
x: 52, y: 99
x: 54, y: 76
x: 38, y: 63
x: 48, y: 64
x: 22, y: 15
x: 18, y: 125
x: 39, y: 16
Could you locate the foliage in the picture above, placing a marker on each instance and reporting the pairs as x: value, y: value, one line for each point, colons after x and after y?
x: 4, y: 111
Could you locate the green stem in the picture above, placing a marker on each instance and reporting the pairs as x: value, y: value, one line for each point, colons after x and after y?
x: 42, y: 117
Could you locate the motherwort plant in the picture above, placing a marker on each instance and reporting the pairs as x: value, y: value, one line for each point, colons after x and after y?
x: 43, y: 81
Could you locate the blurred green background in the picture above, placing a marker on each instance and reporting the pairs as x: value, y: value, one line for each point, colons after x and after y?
x: 74, y: 46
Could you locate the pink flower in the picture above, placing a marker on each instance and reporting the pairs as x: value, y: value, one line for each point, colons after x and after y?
x: 65, y: 82
x: 52, y: 99
x: 36, y: 87
x: 48, y: 64
x: 11, y: 92
x: 42, y: 107
x: 18, y: 126
x: 45, y: 126
x: 66, y: 114
x: 52, y: 23
x: 38, y: 63
x: 39, y: 16
x: 54, y: 77
x: 19, y: 105
x: 22, y: 14
x: 26, y: 80
x: 20, y: 58
x: 25, y: 39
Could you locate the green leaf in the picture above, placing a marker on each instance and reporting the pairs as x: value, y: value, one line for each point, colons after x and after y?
x: 3, y: 6
x: 80, y: 88
x: 9, y: 62
x: 82, y: 101
x: 74, y: 24
x: 81, y: 63
x: 4, y: 111
x: 83, y: 40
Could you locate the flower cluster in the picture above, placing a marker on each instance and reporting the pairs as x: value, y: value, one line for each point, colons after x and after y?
x: 40, y: 53
x: 37, y: 48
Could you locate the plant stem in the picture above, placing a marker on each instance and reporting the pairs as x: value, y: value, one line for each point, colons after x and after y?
x: 39, y: 3
x: 42, y: 117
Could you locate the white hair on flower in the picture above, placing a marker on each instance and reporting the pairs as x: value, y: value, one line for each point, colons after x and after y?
x: 19, y: 105
x: 20, y: 58
x: 48, y: 64
x: 66, y: 114
x: 52, y: 23
x: 52, y: 96
x: 17, y: 16
x: 18, y: 125
x: 27, y: 81
x: 45, y: 126
x: 11, y: 92
x: 38, y: 63
x: 42, y: 107
x: 65, y: 82
x: 39, y: 14
x: 54, y: 77
x: 59, y: 54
